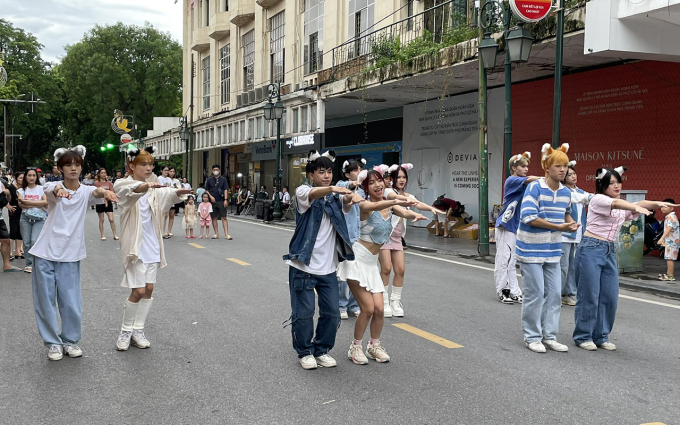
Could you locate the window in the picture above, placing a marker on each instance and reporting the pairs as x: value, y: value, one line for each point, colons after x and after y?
x: 251, y: 128
x: 303, y: 115
x: 284, y: 129
x: 205, y: 67
x: 295, y: 120
x: 205, y: 11
x: 409, y: 11
x: 313, y: 35
x: 224, y: 6
x: 361, y: 14
x: 249, y: 60
x: 242, y: 130
x: 212, y: 136
x: 259, y: 127
x: 229, y: 135
x: 225, y: 74
x: 312, y: 113
x: 277, y: 47
x: 266, y: 128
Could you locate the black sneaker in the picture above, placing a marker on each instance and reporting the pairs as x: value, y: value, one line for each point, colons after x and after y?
x: 504, y: 296
x: 516, y: 299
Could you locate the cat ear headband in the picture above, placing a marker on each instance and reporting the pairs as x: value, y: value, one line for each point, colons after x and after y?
x: 547, y: 150
x: 80, y: 150
x: 572, y: 163
x: 132, y: 152
x: 314, y: 155
x: 519, y: 156
x: 346, y: 164
x: 395, y: 167
x: 382, y: 169
x: 362, y: 176
x: 603, y: 173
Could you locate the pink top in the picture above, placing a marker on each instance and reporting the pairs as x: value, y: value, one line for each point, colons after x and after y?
x: 204, y: 209
x: 603, y: 221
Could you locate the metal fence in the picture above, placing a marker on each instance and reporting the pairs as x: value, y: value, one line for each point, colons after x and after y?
x: 430, y: 26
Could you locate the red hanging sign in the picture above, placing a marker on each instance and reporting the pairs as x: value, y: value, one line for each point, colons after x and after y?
x: 530, y: 10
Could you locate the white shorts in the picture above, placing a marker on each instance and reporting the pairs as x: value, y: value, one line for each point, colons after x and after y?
x: 441, y: 217
x: 137, y: 275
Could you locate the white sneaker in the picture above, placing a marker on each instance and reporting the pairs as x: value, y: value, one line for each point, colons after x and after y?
x: 554, y: 345
x: 344, y: 315
x: 73, y: 350
x: 516, y: 299
x: 326, y: 361
x: 139, y: 339
x: 609, y: 346
x: 397, y: 308
x: 55, y: 352
x: 387, y: 311
x: 504, y: 297
x: 377, y: 352
x: 356, y: 313
x: 356, y: 354
x: 536, y: 347
x: 588, y: 346
x: 569, y: 300
x: 308, y: 362
x: 123, y: 342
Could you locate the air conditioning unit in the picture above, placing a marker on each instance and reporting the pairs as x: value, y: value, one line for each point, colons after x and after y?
x: 239, y: 100
x: 251, y: 96
x: 259, y: 94
x: 298, y: 86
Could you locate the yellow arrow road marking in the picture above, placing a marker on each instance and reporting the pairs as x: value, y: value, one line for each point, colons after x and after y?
x: 237, y: 261
x: 428, y: 336
x: 195, y: 245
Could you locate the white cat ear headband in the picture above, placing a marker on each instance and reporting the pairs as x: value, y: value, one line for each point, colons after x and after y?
x: 314, y: 155
x: 395, y: 167
x: 132, y: 152
x: 346, y: 164
x: 362, y: 176
x: 519, y: 156
x: 603, y: 173
x: 382, y: 169
x: 80, y: 150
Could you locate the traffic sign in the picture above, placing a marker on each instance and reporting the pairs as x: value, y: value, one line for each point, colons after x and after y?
x: 530, y: 10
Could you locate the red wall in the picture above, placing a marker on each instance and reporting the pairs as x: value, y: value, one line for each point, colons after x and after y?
x: 624, y: 115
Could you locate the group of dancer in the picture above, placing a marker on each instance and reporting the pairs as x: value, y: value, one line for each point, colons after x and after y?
x: 565, y: 255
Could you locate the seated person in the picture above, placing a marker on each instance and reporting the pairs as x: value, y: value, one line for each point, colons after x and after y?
x: 242, y: 200
x: 262, y: 194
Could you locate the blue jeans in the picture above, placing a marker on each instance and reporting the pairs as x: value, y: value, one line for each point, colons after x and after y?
x: 346, y: 303
x: 57, y: 282
x: 598, y: 291
x: 30, y: 230
x: 302, y: 287
x: 542, y: 303
x: 568, y: 266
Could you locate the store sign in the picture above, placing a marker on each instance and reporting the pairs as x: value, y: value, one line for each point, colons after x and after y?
x: 530, y: 10
x: 301, y: 144
x: 305, y: 140
x: 264, y: 151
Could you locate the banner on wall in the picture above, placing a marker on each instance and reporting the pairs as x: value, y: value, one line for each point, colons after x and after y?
x: 441, y: 140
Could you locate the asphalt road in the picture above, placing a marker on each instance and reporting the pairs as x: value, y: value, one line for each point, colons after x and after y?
x: 221, y: 356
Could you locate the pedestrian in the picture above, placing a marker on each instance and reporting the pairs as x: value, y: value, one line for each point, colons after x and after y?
x: 363, y: 273
x: 55, y: 176
x: 205, y: 211
x: 319, y: 243
x: 57, y: 255
x: 142, y: 203
x: 88, y: 180
x: 104, y: 206
x: 597, y: 273
x: 33, y: 201
x: 242, y: 200
x: 165, y: 180
x: 570, y: 240
x: 185, y: 183
x: 41, y: 178
x: 199, y: 192
x: 544, y: 216
x: 505, y: 271
x: 351, y: 169
x: 14, y: 210
x: 671, y: 240
x: 392, y: 253
x: 189, y: 222
x: 218, y: 189
x: 175, y: 210
x: 5, y: 241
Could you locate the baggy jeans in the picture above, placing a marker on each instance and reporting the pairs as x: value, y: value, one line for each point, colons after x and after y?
x: 57, y: 282
x: 568, y: 266
x: 346, y: 303
x: 542, y: 303
x: 505, y: 272
x: 597, y: 275
x: 302, y: 286
x: 30, y: 230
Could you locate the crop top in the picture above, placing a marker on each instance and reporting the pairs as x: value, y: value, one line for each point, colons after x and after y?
x: 376, y: 229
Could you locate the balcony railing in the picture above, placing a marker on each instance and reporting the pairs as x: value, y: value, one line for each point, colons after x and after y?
x: 443, y: 25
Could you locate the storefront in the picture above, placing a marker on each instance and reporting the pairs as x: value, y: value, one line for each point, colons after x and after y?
x: 295, y: 152
x: 264, y: 161
x: 374, y: 154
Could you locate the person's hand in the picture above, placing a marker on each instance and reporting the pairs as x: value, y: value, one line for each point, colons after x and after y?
x: 340, y: 190
x: 154, y: 185
x: 225, y: 203
x: 667, y: 204
x: 61, y: 193
x: 11, y: 209
x: 354, y: 198
x: 406, y: 203
x: 569, y: 227
x: 436, y: 211
x: 641, y: 210
x: 110, y: 196
x: 212, y: 199
x: 419, y: 217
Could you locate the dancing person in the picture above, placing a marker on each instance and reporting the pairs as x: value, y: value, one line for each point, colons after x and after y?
x: 33, y: 201
x: 544, y: 216
x: 570, y: 240
x: 218, y: 189
x: 363, y: 273
x: 57, y: 255
x: 14, y: 210
x: 597, y: 273
x: 5, y: 241
x: 204, y: 212
x: 319, y: 243
x: 671, y: 241
x: 190, y: 220
x: 104, y: 206
x: 142, y: 203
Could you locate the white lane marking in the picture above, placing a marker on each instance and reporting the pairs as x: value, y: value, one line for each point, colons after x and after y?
x: 263, y: 225
x: 628, y: 297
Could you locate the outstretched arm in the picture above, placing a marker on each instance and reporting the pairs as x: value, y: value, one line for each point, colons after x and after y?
x: 409, y: 215
x: 620, y: 204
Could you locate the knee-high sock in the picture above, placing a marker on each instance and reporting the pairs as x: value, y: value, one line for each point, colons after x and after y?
x: 142, y: 312
x: 129, y: 313
x: 396, y: 293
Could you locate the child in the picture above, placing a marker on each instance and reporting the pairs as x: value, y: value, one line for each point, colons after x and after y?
x: 199, y: 192
x: 505, y: 272
x: 363, y: 273
x: 143, y: 203
x: 319, y: 243
x: 190, y: 217
x: 57, y: 254
x: 205, y: 215
x: 671, y: 239
x: 544, y: 215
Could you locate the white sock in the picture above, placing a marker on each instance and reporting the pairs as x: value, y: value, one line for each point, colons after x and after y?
x: 396, y: 293
x: 386, y: 296
x: 142, y: 312
x: 129, y: 313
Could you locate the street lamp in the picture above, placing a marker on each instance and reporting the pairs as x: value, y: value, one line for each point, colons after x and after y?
x: 274, y: 111
x: 184, y: 136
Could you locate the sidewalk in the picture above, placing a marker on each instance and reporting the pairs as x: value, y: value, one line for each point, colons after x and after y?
x: 420, y: 239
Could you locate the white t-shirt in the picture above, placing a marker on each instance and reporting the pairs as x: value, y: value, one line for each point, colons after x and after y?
x: 42, y: 181
x: 150, y: 251
x: 176, y: 183
x: 165, y: 181
x: 63, y: 235
x: 35, y: 194
x: 187, y: 186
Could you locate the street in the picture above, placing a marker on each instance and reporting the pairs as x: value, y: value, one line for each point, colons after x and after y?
x: 220, y: 354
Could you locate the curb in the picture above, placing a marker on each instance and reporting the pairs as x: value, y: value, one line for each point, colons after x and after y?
x: 650, y: 289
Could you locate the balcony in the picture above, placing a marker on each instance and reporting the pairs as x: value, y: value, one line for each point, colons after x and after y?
x: 220, y: 25
x: 266, y: 4
x: 200, y: 41
x: 243, y: 12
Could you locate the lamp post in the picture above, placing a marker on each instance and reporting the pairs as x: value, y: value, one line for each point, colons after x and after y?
x: 184, y: 135
x: 518, y: 48
x: 274, y: 111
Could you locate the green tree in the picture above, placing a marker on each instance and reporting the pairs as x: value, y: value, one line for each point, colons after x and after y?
x: 137, y: 70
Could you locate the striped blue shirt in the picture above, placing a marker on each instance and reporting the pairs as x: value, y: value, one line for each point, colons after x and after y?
x: 536, y: 244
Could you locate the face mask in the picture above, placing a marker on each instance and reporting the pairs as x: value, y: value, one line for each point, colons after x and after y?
x: 216, y: 173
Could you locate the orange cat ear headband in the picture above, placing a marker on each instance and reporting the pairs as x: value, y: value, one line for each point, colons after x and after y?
x: 526, y: 155
x: 550, y: 156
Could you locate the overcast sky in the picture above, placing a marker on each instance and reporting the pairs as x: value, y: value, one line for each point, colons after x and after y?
x: 57, y: 23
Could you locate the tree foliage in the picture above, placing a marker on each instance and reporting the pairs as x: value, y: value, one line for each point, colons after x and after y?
x: 137, y: 70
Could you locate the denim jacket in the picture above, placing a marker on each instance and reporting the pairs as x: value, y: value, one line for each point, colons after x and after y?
x: 574, y: 213
x: 307, y: 227
x: 354, y: 216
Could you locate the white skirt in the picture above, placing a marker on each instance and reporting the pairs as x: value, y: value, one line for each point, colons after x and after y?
x: 364, y: 269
